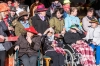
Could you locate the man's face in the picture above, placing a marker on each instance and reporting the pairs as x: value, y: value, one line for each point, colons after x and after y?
x: 66, y: 7
x: 43, y: 13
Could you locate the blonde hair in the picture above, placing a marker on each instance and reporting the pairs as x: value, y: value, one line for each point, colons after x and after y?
x: 1, y: 17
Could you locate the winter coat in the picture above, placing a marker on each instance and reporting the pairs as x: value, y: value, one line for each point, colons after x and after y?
x: 70, y: 37
x: 19, y: 28
x: 40, y: 25
x: 57, y: 24
x: 94, y: 34
x: 26, y: 48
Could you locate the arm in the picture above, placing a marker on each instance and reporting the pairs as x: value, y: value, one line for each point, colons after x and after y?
x: 79, y: 23
x: 17, y: 31
x: 36, y: 43
x: 85, y: 24
x: 67, y: 24
x: 51, y: 22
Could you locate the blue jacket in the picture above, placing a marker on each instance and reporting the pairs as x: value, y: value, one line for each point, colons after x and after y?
x: 65, y: 14
x: 71, y: 20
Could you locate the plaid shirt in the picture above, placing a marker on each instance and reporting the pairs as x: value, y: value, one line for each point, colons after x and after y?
x: 87, y: 55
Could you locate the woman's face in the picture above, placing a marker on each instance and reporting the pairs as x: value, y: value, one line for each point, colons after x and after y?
x: 93, y: 25
x: 26, y: 17
x: 29, y: 34
x: 74, y: 12
x: 59, y: 15
x: 50, y: 34
x: 12, y: 13
x: 43, y: 13
x: 90, y: 14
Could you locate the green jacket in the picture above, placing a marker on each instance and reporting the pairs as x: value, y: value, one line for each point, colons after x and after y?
x: 19, y: 28
x: 56, y: 24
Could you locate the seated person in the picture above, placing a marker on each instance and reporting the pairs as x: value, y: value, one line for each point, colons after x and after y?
x: 93, y: 34
x: 74, y: 38
x: 52, y: 48
x: 28, y: 46
x: 73, y: 35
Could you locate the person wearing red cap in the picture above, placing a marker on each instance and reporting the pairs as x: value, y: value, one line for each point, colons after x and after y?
x: 40, y: 21
x: 28, y: 45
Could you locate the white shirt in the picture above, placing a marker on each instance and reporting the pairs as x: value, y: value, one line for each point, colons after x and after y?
x: 18, y: 11
x: 94, y: 33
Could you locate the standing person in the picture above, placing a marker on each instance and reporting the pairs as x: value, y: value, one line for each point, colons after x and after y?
x: 9, y: 2
x: 16, y: 5
x: 21, y: 23
x: 72, y: 19
x: 11, y: 17
x: 33, y: 8
x: 28, y: 46
x: 93, y: 34
x: 85, y: 21
x: 66, y: 7
x: 40, y: 21
x: 4, y: 46
x: 57, y: 22
x: 52, y: 8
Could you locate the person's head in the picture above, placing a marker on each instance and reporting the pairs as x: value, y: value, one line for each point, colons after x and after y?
x: 16, y: 3
x: 73, y: 28
x: 9, y: 2
x: 58, y: 12
x: 23, y: 16
x: 31, y: 31
x: 4, y: 9
x: 50, y: 32
x: 41, y: 9
x: 12, y: 11
x: 94, y: 23
x: 90, y: 12
x: 66, y: 6
x: 56, y: 1
x: 37, y: 1
x: 73, y: 11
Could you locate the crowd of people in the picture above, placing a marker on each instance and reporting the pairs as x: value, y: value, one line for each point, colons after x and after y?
x: 48, y: 29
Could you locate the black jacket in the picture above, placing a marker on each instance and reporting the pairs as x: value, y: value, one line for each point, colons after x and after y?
x: 70, y: 37
x: 47, y: 44
x: 40, y: 25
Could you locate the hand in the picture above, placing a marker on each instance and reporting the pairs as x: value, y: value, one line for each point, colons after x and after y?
x: 16, y: 48
x: 1, y: 36
x: 10, y: 28
x: 78, y: 42
x: 29, y: 39
x: 53, y: 45
x: 94, y: 43
x: 39, y: 34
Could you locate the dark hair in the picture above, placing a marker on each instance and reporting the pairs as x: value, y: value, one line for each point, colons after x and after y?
x: 90, y: 10
x: 61, y: 10
x: 17, y: 1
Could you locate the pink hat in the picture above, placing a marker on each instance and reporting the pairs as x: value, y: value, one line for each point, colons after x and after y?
x: 41, y: 7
